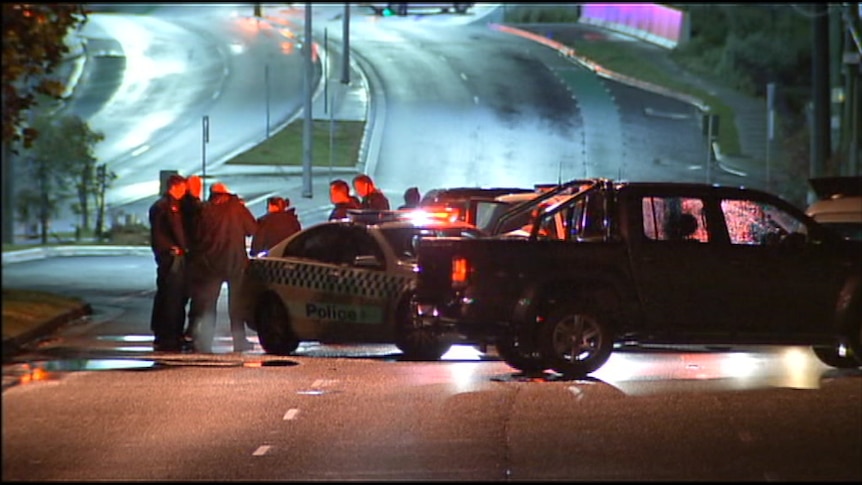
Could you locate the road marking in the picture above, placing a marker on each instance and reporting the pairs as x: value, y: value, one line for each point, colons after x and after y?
x: 291, y: 414
x: 261, y: 450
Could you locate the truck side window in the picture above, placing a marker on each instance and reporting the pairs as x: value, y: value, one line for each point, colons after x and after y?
x: 674, y: 219
x: 588, y: 219
x: 757, y: 223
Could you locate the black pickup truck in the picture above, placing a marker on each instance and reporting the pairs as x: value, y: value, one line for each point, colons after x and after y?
x: 646, y: 263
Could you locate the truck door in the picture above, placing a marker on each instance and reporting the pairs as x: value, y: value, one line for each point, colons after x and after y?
x: 672, y: 261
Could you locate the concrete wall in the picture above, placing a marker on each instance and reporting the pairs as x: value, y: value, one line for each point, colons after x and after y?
x: 658, y: 24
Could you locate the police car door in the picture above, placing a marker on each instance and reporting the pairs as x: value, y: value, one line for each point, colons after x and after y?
x: 350, y: 307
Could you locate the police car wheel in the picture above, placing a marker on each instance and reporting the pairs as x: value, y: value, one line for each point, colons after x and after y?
x: 417, y: 342
x: 273, y: 326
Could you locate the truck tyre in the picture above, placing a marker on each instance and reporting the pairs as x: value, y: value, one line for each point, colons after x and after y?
x: 517, y: 356
x: 575, y: 340
x: 848, y: 356
x: 273, y: 326
x: 415, y: 341
x: 832, y: 356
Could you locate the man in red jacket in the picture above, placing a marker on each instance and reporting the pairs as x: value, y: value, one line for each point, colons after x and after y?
x: 220, y: 256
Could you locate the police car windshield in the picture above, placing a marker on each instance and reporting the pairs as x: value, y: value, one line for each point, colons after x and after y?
x: 403, y: 240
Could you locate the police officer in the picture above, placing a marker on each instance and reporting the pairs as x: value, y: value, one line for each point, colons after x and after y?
x: 190, y: 206
x: 372, y: 197
x: 279, y: 223
x: 339, y: 195
x: 220, y: 256
x: 169, y: 245
x: 411, y: 198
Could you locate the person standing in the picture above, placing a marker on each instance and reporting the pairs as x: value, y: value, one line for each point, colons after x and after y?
x: 219, y: 257
x: 169, y: 245
x: 279, y: 223
x: 371, y: 196
x: 339, y: 195
x: 190, y: 206
x: 411, y: 198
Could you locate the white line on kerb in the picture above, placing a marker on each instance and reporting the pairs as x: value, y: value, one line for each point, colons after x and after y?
x: 291, y: 414
x: 261, y: 450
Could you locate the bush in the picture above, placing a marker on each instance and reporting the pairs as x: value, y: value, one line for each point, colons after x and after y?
x: 135, y: 234
x: 535, y: 14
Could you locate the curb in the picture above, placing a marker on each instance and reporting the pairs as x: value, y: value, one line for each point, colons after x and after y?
x: 13, y: 345
x: 11, y: 257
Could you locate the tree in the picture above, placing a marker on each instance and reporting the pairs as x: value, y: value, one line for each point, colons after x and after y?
x: 78, y: 159
x: 104, y: 177
x: 34, y: 37
x: 63, y: 152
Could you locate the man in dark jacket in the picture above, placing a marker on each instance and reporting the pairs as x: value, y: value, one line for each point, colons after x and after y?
x: 372, y: 197
x: 339, y: 195
x: 279, y: 223
x: 411, y: 198
x: 190, y: 206
x: 169, y: 245
x: 220, y: 256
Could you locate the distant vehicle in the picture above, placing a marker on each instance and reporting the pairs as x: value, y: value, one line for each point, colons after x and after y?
x: 840, y: 204
x: 643, y: 263
x: 348, y: 281
x: 457, y: 200
x: 404, y: 8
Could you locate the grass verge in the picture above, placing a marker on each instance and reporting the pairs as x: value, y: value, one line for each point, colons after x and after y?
x: 333, y: 143
x: 22, y: 308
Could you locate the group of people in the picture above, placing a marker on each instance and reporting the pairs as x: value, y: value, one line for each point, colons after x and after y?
x: 369, y: 196
x: 198, y: 246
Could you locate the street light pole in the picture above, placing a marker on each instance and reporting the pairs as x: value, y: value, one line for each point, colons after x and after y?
x: 345, y: 35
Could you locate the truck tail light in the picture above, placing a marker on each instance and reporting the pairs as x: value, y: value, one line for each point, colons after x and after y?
x: 460, y: 270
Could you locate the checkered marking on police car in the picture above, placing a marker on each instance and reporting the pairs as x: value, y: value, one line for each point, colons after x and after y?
x: 353, y: 282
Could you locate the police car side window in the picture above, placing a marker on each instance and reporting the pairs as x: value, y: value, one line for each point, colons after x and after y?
x: 319, y: 244
x: 365, y: 246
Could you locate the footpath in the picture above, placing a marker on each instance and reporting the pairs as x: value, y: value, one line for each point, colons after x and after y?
x: 355, y: 101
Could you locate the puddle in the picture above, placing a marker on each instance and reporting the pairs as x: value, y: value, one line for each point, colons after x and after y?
x: 278, y: 363
x: 71, y: 365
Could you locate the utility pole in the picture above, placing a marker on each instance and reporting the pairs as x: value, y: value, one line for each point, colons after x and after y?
x: 820, y: 123
x: 307, y: 46
x: 851, y: 67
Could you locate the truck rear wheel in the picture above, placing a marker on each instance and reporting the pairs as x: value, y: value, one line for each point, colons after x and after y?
x: 273, y: 326
x: 417, y: 341
x: 519, y: 356
x: 575, y: 340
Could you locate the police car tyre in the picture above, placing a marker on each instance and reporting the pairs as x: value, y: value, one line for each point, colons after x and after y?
x: 518, y: 356
x: 273, y: 326
x: 575, y: 339
x: 417, y: 342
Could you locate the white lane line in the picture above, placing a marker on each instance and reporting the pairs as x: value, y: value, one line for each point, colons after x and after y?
x: 291, y: 414
x: 261, y: 450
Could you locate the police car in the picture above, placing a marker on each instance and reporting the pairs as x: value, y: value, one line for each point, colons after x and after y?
x: 347, y: 281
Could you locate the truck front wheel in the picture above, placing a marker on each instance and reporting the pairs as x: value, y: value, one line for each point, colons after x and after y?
x: 519, y: 356
x: 575, y: 340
